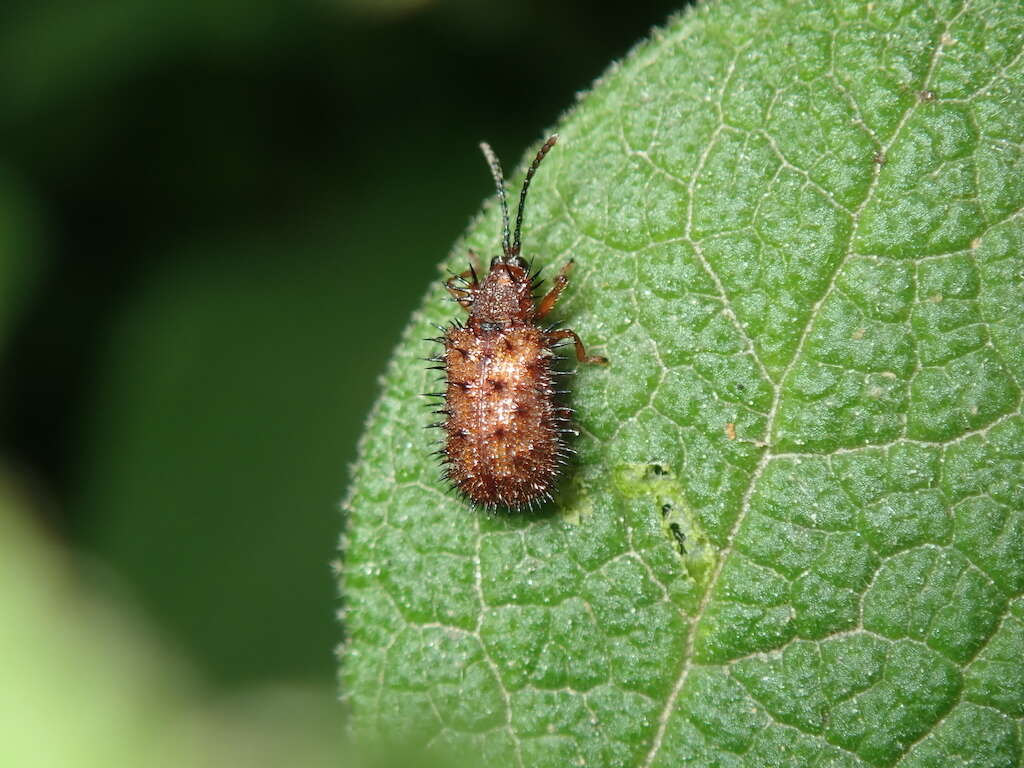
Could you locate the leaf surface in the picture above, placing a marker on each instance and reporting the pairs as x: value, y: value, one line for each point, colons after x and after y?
x: 795, y: 531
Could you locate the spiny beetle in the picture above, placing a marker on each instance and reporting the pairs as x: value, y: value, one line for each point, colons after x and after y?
x: 505, y: 431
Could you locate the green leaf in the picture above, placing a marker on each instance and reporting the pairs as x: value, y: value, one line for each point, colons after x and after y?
x: 798, y: 231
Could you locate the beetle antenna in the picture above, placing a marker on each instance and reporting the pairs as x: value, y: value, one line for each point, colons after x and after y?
x: 522, y: 193
x: 499, y: 182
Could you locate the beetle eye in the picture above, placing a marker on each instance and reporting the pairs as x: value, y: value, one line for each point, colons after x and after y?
x: 520, y: 262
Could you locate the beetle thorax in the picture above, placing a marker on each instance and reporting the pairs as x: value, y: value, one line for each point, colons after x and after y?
x: 505, y: 298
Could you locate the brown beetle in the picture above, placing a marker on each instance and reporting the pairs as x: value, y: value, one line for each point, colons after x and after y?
x: 505, y: 434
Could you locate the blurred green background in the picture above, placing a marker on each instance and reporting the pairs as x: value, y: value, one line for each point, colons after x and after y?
x: 215, y: 218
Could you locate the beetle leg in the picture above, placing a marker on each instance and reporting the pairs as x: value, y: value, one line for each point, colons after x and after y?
x: 581, y: 353
x: 558, y: 285
x: 463, y: 293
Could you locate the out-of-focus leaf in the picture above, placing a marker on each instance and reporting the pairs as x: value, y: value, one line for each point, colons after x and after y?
x: 21, y: 259
x: 87, y: 684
